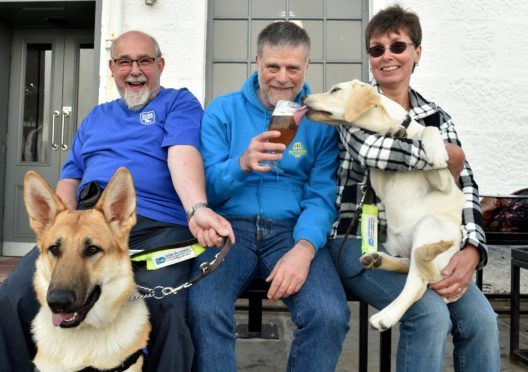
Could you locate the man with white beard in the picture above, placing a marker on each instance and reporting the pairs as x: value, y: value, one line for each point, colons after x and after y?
x: 137, y: 82
x: 154, y: 132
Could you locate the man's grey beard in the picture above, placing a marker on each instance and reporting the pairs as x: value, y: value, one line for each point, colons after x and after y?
x: 268, y: 100
x: 136, y: 100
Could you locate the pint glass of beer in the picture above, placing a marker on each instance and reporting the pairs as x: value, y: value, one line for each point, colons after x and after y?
x: 282, y: 121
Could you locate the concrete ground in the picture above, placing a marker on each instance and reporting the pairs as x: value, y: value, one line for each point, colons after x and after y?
x: 257, y: 355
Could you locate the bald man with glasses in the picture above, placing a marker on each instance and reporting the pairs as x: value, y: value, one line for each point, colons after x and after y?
x: 154, y: 132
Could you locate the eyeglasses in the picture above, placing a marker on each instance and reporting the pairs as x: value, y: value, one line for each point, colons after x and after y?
x: 125, y: 63
x: 397, y: 48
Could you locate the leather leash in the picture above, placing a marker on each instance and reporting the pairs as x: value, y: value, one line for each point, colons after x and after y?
x: 206, y: 268
x: 368, y: 197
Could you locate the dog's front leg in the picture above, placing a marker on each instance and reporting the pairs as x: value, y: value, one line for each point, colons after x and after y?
x: 434, y: 147
x: 440, y: 178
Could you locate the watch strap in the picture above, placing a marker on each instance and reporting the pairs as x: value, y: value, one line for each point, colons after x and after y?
x: 190, y: 213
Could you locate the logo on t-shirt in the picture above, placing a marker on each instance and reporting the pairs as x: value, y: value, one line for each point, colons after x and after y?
x: 147, y: 118
x: 297, y: 150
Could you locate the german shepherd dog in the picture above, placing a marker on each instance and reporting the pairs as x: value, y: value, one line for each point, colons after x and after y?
x: 84, y: 280
x: 423, y: 208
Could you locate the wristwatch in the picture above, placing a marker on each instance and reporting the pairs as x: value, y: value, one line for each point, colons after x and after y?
x: 194, y: 208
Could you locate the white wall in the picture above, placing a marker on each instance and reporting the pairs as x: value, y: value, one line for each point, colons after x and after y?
x: 474, y: 65
x: 180, y: 28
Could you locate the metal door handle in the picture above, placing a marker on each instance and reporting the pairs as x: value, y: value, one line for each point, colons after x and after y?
x: 54, y: 146
x: 65, y: 113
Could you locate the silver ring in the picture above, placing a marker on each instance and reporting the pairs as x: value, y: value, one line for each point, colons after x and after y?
x: 459, y: 290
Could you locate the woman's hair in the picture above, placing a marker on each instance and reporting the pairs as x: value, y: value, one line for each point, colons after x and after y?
x: 393, y: 20
x: 281, y: 34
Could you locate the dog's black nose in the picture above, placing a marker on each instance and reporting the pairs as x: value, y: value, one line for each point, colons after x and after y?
x: 60, y: 300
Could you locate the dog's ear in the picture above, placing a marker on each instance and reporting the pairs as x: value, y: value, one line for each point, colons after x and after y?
x: 42, y: 204
x: 118, y: 202
x: 362, y: 99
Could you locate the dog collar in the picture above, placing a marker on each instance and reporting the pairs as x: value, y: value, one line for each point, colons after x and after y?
x: 122, y: 367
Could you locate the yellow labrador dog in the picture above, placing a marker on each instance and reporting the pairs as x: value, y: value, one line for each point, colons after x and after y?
x: 84, y: 280
x: 423, y: 208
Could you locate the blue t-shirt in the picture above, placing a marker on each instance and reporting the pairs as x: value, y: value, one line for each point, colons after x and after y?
x: 112, y: 136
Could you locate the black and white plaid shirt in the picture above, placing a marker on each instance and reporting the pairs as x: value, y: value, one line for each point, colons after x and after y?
x: 360, y: 150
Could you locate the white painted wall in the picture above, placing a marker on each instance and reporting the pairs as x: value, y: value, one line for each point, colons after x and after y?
x: 474, y: 66
x: 180, y: 28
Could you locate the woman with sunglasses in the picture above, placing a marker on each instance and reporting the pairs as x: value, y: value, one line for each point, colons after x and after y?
x: 393, y: 39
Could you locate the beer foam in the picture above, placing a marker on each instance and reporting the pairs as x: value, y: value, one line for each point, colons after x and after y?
x: 285, y: 108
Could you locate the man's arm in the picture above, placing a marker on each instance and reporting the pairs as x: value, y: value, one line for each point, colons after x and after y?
x: 226, y: 173
x: 291, y: 271
x: 66, y: 190
x: 186, y: 169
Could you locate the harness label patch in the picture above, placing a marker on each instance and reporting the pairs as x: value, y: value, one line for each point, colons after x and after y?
x: 147, y: 118
x: 167, y: 257
x: 369, y: 229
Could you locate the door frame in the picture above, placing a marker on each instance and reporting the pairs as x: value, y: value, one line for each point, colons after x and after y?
x: 5, y: 60
x: 61, y: 91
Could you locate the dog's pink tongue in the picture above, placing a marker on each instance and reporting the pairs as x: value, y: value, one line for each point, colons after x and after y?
x: 299, y: 114
x: 57, y: 319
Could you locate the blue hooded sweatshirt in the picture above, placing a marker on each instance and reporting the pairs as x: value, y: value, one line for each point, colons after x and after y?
x: 306, y: 191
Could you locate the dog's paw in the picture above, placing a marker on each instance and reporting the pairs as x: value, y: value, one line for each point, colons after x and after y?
x: 434, y: 148
x: 399, y: 132
x: 382, y: 321
x: 370, y: 261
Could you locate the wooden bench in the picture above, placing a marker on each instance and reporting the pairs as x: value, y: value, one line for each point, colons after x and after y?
x: 257, y: 291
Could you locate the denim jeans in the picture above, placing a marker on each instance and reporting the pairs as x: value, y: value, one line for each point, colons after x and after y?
x: 319, y: 309
x: 425, y: 326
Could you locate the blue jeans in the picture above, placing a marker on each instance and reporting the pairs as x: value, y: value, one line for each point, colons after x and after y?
x: 319, y: 309
x: 425, y: 326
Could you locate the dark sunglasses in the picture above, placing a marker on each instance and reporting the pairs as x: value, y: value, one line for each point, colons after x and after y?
x: 397, y: 48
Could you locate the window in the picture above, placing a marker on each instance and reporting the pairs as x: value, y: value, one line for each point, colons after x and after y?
x: 335, y: 28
